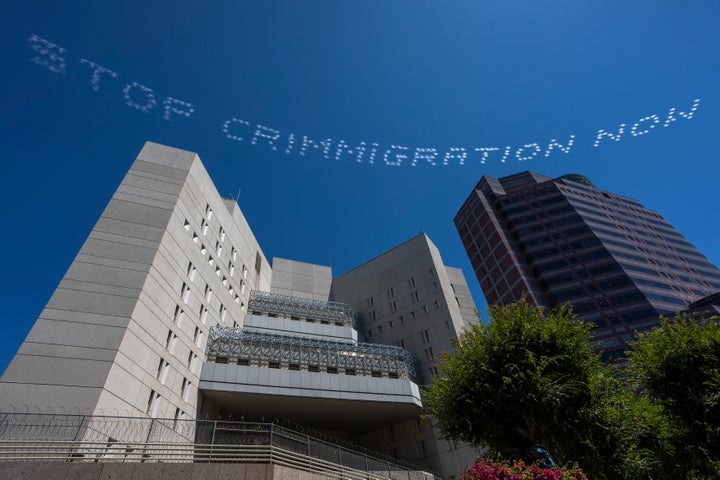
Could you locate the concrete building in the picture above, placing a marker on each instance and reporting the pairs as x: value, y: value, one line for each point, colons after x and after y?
x: 558, y: 240
x: 171, y: 311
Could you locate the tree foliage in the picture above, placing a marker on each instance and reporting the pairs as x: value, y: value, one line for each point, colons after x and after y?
x: 527, y: 385
x: 517, y: 384
x: 678, y: 367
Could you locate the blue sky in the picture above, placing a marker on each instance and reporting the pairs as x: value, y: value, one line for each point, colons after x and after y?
x: 421, y: 79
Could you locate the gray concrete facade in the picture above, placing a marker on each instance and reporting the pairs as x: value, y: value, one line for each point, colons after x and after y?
x: 124, y: 332
x: 170, y: 264
x: 409, y: 298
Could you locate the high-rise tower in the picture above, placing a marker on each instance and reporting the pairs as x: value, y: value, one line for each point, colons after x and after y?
x: 558, y: 240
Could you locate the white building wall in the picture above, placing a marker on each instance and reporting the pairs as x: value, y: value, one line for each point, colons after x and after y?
x: 125, y: 325
x: 406, y: 297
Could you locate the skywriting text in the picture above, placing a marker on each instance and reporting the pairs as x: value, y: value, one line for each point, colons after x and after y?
x: 235, y: 128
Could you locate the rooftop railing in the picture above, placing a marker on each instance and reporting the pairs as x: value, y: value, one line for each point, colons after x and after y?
x: 303, y: 308
x: 250, y: 347
x: 78, y: 438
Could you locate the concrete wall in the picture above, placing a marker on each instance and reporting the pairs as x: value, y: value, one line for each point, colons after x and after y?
x: 124, y: 333
x: 152, y: 471
x: 300, y: 279
x: 407, y: 297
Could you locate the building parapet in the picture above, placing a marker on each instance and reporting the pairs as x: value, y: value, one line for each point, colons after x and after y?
x: 297, y: 352
x: 298, y: 308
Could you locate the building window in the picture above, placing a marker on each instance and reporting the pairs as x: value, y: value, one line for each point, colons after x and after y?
x: 411, y: 282
x: 185, y: 292
x: 222, y: 234
x: 186, y: 225
x: 185, y: 389
x: 393, y: 306
x: 414, y: 297
x: 178, y: 316
x: 170, y: 341
x: 153, y: 404
x: 162, y: 371
x: 191, y: 272
x: 176, y: 418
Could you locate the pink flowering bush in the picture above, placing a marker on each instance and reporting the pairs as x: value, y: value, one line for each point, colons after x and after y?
x: 488, y: 470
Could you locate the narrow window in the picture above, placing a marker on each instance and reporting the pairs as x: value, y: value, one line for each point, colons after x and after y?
x: 185, y: 292
x: 153, y: 404
x: 179, y: 316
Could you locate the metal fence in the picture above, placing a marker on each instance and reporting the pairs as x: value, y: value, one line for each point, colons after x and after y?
x: 303, y: 308
x: 47, y: 437
x: 305, y: 353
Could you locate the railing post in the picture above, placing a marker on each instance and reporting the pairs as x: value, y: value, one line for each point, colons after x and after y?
x: 80, y: 427
x: 212, y: 440
x: 271, y: 434
x: 147, y: 439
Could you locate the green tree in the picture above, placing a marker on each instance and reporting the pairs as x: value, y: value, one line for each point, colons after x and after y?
x: 528, y: 386
x: 678, y: 366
